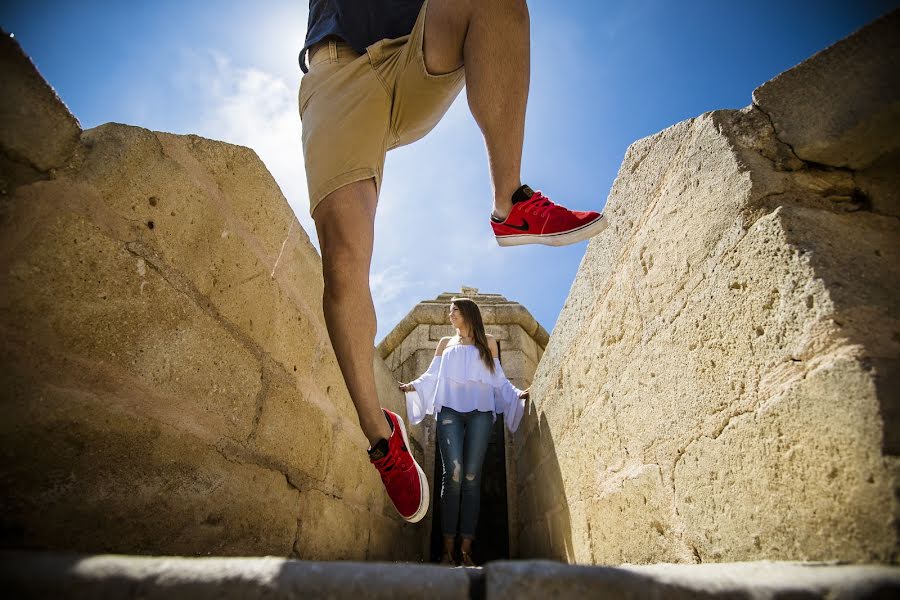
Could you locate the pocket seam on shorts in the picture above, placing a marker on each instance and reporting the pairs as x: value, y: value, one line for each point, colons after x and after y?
x: 305, y: 104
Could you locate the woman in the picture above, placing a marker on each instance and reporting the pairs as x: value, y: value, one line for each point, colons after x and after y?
x: 465, y: 388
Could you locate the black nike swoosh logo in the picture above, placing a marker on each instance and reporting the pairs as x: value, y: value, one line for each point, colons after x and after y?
x: 522, y: 227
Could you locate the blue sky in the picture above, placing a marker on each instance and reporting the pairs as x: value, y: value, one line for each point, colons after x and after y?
x: 604, y: 74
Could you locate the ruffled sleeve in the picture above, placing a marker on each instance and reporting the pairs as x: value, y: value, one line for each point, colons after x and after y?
x: 420, y: 402
x: 506, y: 398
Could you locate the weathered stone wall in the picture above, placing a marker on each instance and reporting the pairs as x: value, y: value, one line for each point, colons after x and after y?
x: 167, y: 383
x: 409, y: 348
x: 722, y: 383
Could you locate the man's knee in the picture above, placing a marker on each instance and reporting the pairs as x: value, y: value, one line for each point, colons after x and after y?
x: 342, y: 258
x: 346, y: 209
x: 345, y: 223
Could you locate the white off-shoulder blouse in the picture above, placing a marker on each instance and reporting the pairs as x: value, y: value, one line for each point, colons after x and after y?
x: 460, y: 380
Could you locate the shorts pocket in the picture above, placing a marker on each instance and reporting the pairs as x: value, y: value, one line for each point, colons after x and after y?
x: 306, y: 94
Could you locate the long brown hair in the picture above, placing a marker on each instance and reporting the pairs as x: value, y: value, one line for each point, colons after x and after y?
x: 472, y: 316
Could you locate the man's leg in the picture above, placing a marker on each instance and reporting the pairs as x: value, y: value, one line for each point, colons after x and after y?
x: 345, y: 223
x: 492, y: 40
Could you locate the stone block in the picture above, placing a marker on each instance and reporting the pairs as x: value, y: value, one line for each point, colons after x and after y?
x: 287, y: 426
x: 389, y: 394
x: 84, y: 311
x: 880, y: 184
x: 172, y: 578
x: 88, y: 472
x: 501, y: 332
x: 517, y: 365
x: 329, y: 528
x: 750, y: 290
x: 351, y: 474
x: 639, y: 501
x: 37, y: 131
x: 534, y: 538
x: 436, y: 332
x: 249, y: 261
x: 164, y: 348
x: 543, y: 579
x: 841, y: 107
x: 519, y: 340
x: 387, y: 540
x: 811, y: 444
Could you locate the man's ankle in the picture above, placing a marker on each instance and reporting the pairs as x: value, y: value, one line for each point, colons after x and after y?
x: 501, y: 210
x: 378, y: 430
x: 379, y: 449
x: 503, y: 201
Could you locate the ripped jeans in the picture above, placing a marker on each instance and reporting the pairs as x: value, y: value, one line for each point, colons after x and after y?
x: 463, y: 439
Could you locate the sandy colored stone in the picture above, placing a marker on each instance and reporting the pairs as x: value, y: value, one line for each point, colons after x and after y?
x: 80, y: 576
x: 83, y: 311
x: 813, y: 435
x: 385, y: 541
x: 158, y: 578
x: 164, y: 350
x: 880, y: 183
x: 842, y: 106
x: 37, y: 131
x: 541, y: 579
x: 294, y: 432
x: 90, y: 474
x: 330, y: 529
x: 719, y: 383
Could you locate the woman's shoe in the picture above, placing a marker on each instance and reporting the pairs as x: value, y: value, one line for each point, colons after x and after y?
x: 447, y: 559
x: 466, y: 560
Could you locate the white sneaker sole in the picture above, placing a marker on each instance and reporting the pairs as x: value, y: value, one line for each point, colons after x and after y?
x: 557, y: 239
x: 423, y: 483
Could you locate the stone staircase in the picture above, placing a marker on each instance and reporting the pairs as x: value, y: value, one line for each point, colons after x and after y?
x: 35, y: 575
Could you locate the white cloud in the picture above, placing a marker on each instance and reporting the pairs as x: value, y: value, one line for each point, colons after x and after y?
x: 254, y: 108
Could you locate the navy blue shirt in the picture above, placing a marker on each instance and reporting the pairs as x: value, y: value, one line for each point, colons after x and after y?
x: 360, y: 23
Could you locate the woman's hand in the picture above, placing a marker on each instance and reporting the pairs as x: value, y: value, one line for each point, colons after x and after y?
x: 406, y: 387
x: 525, y: 394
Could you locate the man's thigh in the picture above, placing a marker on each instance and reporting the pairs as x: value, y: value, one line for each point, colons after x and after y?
x: 346, y: 117
x: 446, y: 22
x: 419, y: 98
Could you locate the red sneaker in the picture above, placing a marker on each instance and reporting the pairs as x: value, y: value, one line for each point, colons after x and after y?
x: 403, y: 478
x: 540, y: 221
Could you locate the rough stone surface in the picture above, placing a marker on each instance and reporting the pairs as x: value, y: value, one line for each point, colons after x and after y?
x: 841, y: 107
x: 168, y: 382
x: 45, y: 576
x: 409, y: 349
x: 172, y: 578
x: 37, y: 131
x: 722, y: 382
x: 539, y: 580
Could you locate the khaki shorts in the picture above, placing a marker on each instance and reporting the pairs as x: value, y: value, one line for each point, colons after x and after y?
x: 356, y: 107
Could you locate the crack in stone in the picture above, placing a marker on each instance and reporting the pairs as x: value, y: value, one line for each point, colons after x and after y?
x: 241, y: 455
x: 283, y: 244
x: 855, y: 195
x: 32, y: 173
x: 180, y: 283
x: 775, y: 133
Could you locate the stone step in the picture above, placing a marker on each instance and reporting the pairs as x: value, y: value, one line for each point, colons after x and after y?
x: 44, y: 575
